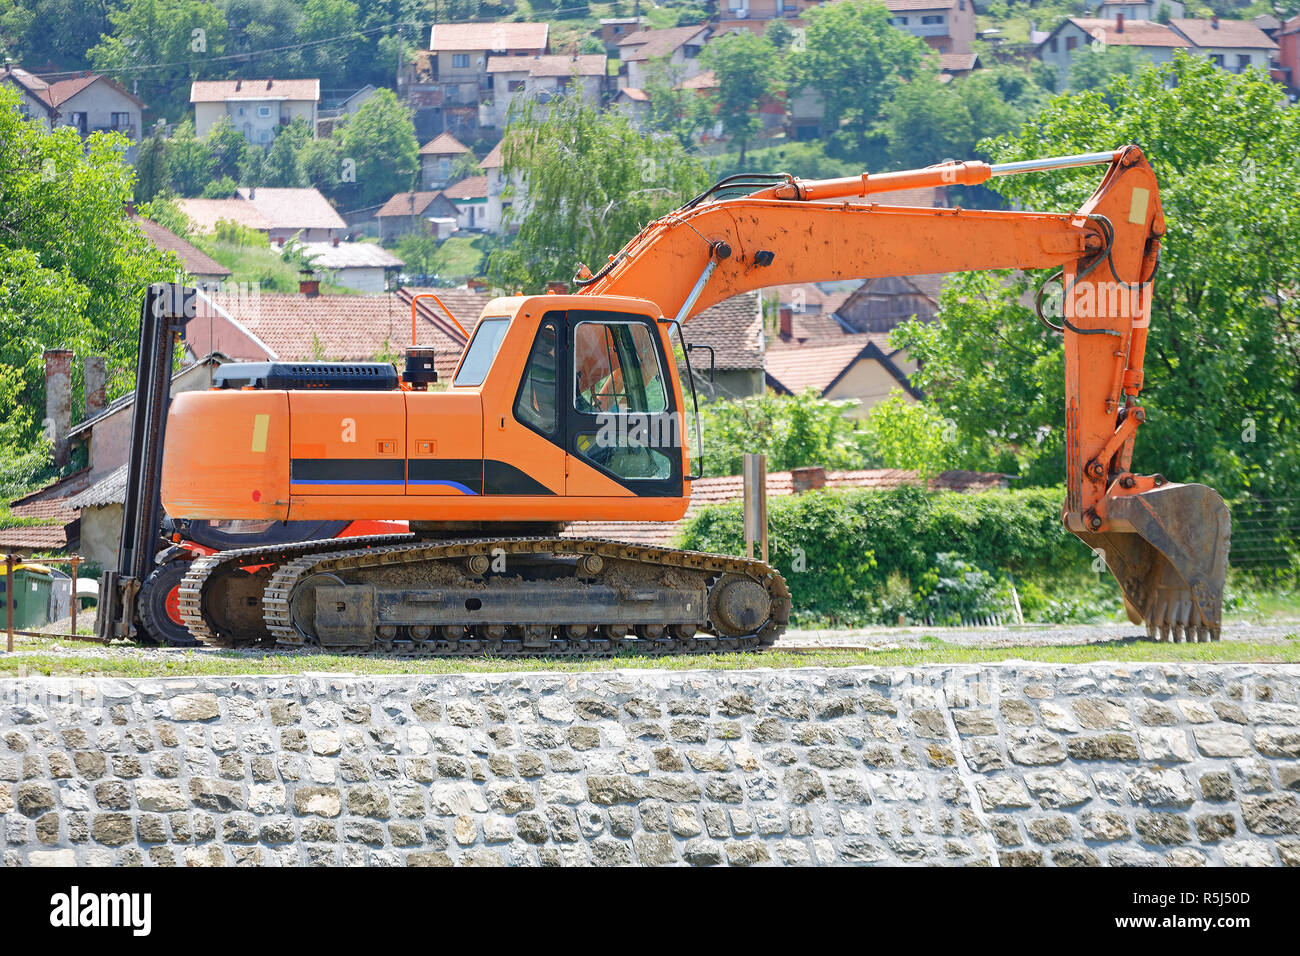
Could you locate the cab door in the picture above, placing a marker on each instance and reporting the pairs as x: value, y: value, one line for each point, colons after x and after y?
x: 523, y: 445
x: 623, y: 430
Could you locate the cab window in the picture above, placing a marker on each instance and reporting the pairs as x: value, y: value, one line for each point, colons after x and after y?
x: 535, y: 404
x: 616, y: 369
x: 481, y: 351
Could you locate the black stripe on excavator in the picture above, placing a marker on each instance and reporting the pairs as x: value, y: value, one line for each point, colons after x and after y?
x: 347, y: 471
x: 501, y: 478
x: 463, y: 473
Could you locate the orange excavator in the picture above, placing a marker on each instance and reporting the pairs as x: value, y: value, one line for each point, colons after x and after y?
x: 569, y: 407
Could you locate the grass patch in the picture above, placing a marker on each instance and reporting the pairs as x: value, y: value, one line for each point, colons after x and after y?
x: 932, y: 651
x: 260, y: 264
x: 458, y: 257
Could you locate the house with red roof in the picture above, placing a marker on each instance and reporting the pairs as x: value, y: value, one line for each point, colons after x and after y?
x: 206, y: 272
x: 450, y: 79
x: 862, y: 367
x: 282, y: 214
x: 1288, y: 40
x: 679, y: 47
x: 436, y: 157
x: 88, y: 102
x: 1233, y: 45
x: 256, y: 108
x: 946, y: 26
x: 426, y: 212
x: 541, y: 77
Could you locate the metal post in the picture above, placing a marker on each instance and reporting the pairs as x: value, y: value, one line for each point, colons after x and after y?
x: 9, y: 601
x: 755, y: 504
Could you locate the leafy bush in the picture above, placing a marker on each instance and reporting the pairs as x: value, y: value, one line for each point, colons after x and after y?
x: 860, y: 557
x: 791, y: 431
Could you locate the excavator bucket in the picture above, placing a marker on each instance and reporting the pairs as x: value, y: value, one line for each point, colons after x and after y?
x: 1168, y: 548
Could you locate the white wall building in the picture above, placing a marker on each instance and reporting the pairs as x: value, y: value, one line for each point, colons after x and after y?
x: 257, y: 108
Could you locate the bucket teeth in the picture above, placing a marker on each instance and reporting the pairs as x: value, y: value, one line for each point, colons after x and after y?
x: 1170, y: 559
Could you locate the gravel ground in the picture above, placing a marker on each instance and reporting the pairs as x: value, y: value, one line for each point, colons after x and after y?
x: 878, y: 638
x: 1028, y: 635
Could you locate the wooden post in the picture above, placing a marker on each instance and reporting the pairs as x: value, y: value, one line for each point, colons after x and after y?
x: 9, y: 602
x: 76, y: 560
x: 755, y: 504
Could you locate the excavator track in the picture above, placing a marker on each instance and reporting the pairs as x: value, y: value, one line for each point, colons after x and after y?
x: 195, y: 588
x: 572, y: 597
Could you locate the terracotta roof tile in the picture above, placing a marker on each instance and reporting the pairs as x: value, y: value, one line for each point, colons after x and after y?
x: 444, y: 144
x: 1228, y: 33
x: 493, y: 159
x: 473, y: 187
x: 206, y: 213
x: 357, y: 328
x: 219, y: 91
x: 293, y: 208
x: 733, y: 329
x: 634, y: 94
x: 1136, y: 32
x: 41, y: 537
x: 408, y: 204
x: 108, y: 490
x: 58, y: 509
x: 196, y: 261
x: 461, y: 37
x: 652, y: 44
x: 550, y: 65
x: 817, y: 366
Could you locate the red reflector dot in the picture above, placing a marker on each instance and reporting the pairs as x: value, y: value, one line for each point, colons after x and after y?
x: 257, y: 496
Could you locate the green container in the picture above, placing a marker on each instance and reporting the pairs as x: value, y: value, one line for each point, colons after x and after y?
x: 32, y: 585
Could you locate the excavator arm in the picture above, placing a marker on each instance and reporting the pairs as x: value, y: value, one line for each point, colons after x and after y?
x: 1165, y: 543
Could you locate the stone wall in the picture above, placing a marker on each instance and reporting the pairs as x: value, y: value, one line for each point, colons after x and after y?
x: 1011, y: 764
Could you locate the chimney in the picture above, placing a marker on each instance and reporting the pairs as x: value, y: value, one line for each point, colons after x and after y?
x: 476, y: 285
x: 268, y: 83
x: 96, y: 379
x: 1119, y: 23
x: 336, y: 242
x: 1214, y: 22
x: 58, y: 401
x: 787, y: 323
x: 557, y: 288
x: 309, y: 287
x: 238, y: 85
x: 808, y: 479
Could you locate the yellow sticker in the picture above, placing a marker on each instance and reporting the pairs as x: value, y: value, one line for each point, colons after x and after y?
x: 1137, y: 209
x: 261, y: 425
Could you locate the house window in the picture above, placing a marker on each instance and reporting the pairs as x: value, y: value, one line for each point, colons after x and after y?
x: 691, y: 51
x: 562, y: 84
x: 515, y: 86
x: 120, y: 121
x: 1217, y: 58
x: 78, y: 121
x: 460, y: 61
x: 900, y: 21
x: 1243, y: 61
x: 1071, y: 43
x: 931, y: 20
x: 264, y: 111
x: 263, y: 135
x: 444, y: 168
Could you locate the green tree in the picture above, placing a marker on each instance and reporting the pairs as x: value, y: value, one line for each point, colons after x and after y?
x: 1222, y: 388
x: 227, y: 147
x: 283, y: 167
x: 902, y: 433
x: 673, y: 110
x: 792, y: 432
x: 321, y: 164
x: 165, y: 44
x: 380, y: 141
x: 152, y: 168
x: 855, y: 59
x: 1095, y: 66
x: 748, y: 70
x: 336, y: 21
x: 73, y: 267
x: 590, y: 183
x: 190, y: 165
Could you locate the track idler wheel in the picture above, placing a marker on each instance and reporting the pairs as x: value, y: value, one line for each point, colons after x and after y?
x: 738, y: 605
x: 1168, y: 549
x: 158, y: 607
